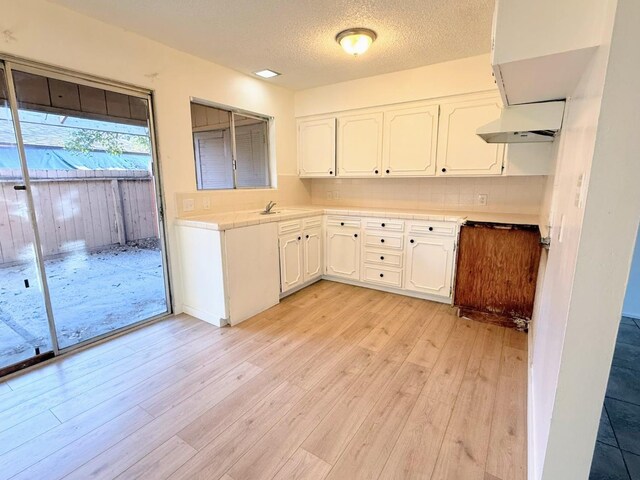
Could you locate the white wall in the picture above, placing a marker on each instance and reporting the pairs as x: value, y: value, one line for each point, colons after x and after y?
x: 45, y: 32
x: 592, y: 240
x: 631, y: 307
x: 467, y: 75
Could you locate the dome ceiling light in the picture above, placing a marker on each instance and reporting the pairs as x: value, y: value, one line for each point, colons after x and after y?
x: 356, y: 41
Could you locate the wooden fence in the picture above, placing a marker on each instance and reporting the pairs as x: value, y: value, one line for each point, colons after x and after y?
x: 76, y: 210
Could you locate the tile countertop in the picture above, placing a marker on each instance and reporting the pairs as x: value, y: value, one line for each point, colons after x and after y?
x: 228, y: 220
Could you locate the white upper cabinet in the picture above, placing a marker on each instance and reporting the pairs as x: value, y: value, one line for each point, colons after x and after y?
x: 460, y: 150
x: 410, y: 140
x: 360, y: 145
x: 317, y: 147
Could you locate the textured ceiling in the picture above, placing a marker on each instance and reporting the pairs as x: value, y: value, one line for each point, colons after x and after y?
x: 296, y: 37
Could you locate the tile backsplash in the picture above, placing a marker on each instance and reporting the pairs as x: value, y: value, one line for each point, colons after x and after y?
x: 291, y: 190
x: 503, y: 194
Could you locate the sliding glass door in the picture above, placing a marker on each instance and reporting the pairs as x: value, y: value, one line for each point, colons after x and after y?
x: 25, y: 331
x: 87, y: 152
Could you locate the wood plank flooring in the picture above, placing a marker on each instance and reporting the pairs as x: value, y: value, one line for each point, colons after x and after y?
x: 335, y: 382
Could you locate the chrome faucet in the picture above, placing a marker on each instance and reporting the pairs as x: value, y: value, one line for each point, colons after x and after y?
x: 269, y: 206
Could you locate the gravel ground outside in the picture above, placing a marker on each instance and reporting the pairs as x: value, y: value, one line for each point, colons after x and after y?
x: 91, y: 294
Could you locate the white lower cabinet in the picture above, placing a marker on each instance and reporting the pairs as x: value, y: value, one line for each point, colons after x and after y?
x: 417, y: 257
x: 301, y: 252
x: 343, y: 252
x: 312, y: 252
x: 429, y: 264
x: 291, y: 261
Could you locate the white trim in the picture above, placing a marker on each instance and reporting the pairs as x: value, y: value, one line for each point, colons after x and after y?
x: 300, y: 287
x: 397, y: 291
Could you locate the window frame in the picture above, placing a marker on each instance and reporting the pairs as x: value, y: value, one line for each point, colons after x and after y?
x: 270, y: 164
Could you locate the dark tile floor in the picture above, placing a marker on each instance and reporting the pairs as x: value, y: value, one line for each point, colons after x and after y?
x: 617, y: 453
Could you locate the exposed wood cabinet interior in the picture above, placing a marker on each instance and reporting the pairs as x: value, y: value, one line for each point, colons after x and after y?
x: 497, y: 270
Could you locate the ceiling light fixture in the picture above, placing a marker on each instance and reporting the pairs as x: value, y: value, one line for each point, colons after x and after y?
x: 356, y: 41
x: 266, y: 73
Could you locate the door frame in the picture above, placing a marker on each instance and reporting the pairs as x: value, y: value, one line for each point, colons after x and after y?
x: 58, y: 73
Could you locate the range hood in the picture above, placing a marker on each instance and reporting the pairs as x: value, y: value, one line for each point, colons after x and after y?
x: 532, y: 122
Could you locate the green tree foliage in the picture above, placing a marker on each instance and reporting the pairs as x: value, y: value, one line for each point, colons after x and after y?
x: 83, y: 141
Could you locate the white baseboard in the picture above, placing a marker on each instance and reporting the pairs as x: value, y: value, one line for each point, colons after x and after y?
x: 383, y: 288
x: 204, y: 316
x: 300, y: 287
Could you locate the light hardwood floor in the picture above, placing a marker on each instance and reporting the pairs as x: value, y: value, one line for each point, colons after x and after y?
x: 336, y: 382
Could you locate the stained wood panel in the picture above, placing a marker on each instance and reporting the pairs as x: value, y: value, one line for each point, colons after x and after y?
x: 497, y: 270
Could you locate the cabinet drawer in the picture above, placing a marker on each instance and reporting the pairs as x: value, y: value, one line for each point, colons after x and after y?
x: 313, y: 222
x: 290, y: 226
x: 390, y: 259
x: 343, y: 222
x: 433, y: 228
x: 380, y: 240
x: 383, y: 276
x: 384, y: 224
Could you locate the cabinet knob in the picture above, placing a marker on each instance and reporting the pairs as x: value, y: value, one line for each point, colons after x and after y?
x: 382, y: 224
x: 307, y: 236
x: 431, y: 229
x: 375, y: 171
x: 342, y: 224
x: 388, y: 171
x: 411, y: 241
x: 444, y: 170
x: 330, y: 172
x: 382, y: 240
x: 299, y: 238
x: 381, y: 258
x: 381, y: 275
x: 355, y: 235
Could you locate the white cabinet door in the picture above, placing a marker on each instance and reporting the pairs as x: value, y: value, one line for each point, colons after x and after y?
x: 429, y: 265
x: 291, y: 261
x: 317, y: 147
x: 312, y: 254
x: 360, y: 145
x: 410, y: 139
x: 343, y: 253
x: 460, y: 150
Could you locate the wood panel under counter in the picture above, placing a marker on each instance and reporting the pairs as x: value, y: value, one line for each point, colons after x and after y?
x: 497, y: 270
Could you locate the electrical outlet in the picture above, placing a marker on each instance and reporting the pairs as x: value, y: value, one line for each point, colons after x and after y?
x: 206, y: 203
x: 482, y: 199
x: 329, y: 195
x: 336, y: 195
x: 188, y: 205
